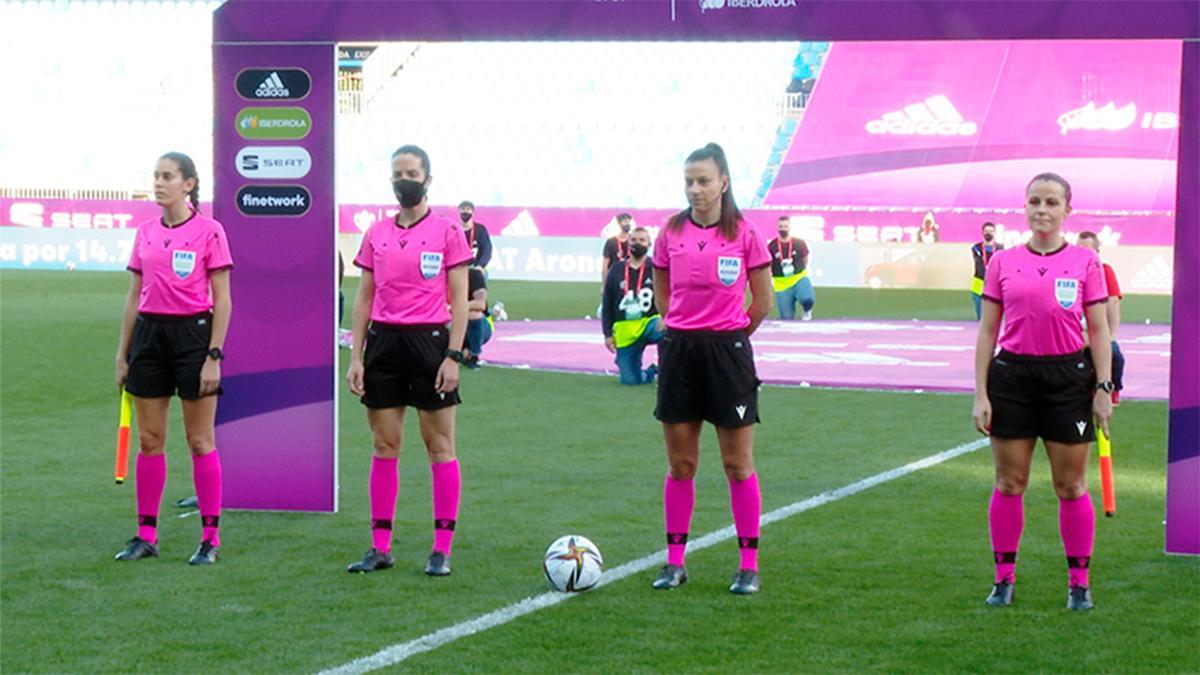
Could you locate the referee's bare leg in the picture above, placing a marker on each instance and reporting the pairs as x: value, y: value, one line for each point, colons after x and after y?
x: 437, y: 430
x: 679, y: 498
x: 1006, y: 510
x: 1076, y: 515
x: 199, y: 422
x: 387, y: 430
x: 150, y: 475
x: 745, y: 501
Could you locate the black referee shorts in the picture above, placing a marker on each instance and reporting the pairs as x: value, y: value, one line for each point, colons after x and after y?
x: 166, y: 355
x: 707, y: 375
x: 401, y: 365
x: 1046, y: 396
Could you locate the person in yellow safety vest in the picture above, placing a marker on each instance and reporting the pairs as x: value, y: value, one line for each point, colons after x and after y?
x: 789, y: 273
x: 628, y: 314
x: 982, y: 253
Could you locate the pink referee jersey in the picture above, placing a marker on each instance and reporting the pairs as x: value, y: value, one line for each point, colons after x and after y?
x: 175, y: 263
x: 709, y: 274
x: 409, y: 264
x: 1043, y: 297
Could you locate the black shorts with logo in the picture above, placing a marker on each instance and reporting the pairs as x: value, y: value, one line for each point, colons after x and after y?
x: 166, y: 355
x: 401, y: 365
x: 1046, y: 396
x: 707, y: 375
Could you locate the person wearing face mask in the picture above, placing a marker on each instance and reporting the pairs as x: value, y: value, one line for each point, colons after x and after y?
x: 1043, y: 383
x: 410, y: 317
x: 616, y: 248
x: 477, y: 235
x: 479, y: 321
x: 628, y: 315
x: 982, y: 253
x: 789, y: 273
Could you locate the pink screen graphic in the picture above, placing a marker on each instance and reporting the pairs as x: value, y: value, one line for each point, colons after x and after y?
x: 964, y: 126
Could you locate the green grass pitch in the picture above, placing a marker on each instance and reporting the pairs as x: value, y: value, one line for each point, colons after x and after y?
x: 891, y: 579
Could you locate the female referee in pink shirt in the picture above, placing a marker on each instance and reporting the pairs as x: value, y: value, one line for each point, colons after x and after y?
x: 703, y: 260
x: 172, y: 331
x: 1043, y: 383
x: 411, y: 267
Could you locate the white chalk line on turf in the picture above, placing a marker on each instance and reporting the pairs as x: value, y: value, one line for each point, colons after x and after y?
x: 401, y: 651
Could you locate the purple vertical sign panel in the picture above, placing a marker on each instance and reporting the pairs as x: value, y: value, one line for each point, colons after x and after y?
x: 1183, y: 443
x: 274, y: 192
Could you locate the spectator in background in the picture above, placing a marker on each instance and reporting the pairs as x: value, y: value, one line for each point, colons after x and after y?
x: 928, y: 234
x: 628, y: 314
x: 477, y: 235
x: 1112, y: 311
x: 479, y: 322
x: 789, y: 273
x: 981, y: 253
x: 616, y: 248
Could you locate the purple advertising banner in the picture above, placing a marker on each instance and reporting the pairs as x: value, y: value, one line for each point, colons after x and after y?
x: 80, y: 214
x: 331, y: 21
x: 1183, y: 449
x: 825, y: 223
x: 273, y: 187
x: 966, y: 124
x: 840, y: 224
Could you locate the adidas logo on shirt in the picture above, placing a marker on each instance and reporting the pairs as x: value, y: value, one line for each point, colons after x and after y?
x: 272, y: 87
x: 935, y: 116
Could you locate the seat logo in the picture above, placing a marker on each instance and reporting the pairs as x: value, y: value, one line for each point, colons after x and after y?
x: 284, y: 161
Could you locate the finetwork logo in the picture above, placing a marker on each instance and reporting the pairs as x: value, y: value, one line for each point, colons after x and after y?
x: 273, y: 200
x: 935, y: 116
x: 713, y: 5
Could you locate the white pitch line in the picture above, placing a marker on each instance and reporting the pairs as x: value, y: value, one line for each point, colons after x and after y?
x: 404, y: 650
x: 187, y: 514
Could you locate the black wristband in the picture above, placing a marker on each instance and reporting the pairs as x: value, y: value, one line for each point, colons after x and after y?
x: 456, y: 356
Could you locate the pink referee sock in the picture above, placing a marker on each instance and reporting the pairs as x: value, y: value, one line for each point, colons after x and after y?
x: 1006, y: 517
x: 679, y: 500
x: 206, y: 477
x: 447, y: 487
x: 151, y: 474
x: 1077, y: 525
x: 385, y: 487
x: 746, y: 502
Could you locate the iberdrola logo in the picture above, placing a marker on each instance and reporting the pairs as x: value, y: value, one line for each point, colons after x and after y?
x: 1091, y: 118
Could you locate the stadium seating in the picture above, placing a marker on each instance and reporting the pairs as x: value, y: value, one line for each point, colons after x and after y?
x: 805, y: 66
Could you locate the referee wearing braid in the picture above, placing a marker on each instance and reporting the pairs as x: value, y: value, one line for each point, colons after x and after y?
x: 628, y: 315
x: 1043, y: 383
x: 704, y: 259
x: 410, y: 267
x: 172, y: 330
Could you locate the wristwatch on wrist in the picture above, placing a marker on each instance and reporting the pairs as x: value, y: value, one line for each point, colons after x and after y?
x: 456, y: 355
x: 1106, y: 385
x: 216, y: 354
